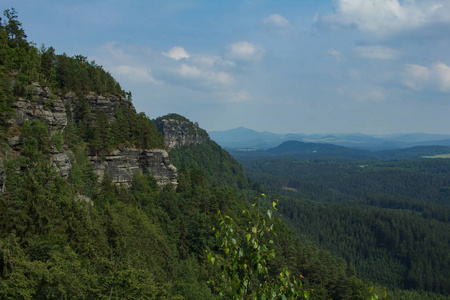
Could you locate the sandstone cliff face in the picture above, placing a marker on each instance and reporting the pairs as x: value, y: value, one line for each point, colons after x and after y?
x: 49, y: 108
x: 99, y: 103
x: 179, y: 131
x: 120, y: 164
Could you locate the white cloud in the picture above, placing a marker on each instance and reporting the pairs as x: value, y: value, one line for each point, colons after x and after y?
x: 126, y: 62
x: 442, y: 72
x: 177, y: 53
x: 115, y: 52
x: 211, y: 61
x: 245, y: 51
x: 384, y: 17
x: 277, y: 21
x: 415, y: 77
x: 436, y: 77
x: 378, y: 52
x: 240, y: 96
x: 136, y: 74
x: 205, y: 77
x: 336, y: 54
x: 189, y: 72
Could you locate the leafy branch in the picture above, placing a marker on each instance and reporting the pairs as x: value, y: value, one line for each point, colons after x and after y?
x: 244, y: 264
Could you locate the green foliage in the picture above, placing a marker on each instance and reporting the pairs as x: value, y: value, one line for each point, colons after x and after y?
x: 244, y: 266
x: 21, y: 64
x: 191, y: 280
x: 6, y: 103
x: 24, y: 63
x: 36, y: 140
x: 54, y: 244
x: 82, y: 176
x: 77, y: 74
x: 389, y: 220
x: 135, y: 129
x: 210, y: 158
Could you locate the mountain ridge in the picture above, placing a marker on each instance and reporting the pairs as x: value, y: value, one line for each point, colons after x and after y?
x: 301, y: 149
x: 245, y: 138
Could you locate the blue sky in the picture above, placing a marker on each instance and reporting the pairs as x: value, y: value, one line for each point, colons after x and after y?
x: 305, y: 66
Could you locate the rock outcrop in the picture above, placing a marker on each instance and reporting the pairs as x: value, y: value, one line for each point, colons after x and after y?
x: 106, y: 104
x: 61, y: 161
x: 121, y: 164
x: 179, y: 131
x: 42, y: 105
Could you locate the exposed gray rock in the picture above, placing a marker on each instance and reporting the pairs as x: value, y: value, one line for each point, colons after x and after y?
x: 179, y: 131
x: 156, y: 162
x: 62, y: 162
x: 40, y: 107
x: 14, y: 141
x: 106, y: 104
x: 121, y: 164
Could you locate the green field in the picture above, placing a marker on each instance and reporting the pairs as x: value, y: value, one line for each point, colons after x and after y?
x: 438, y: 156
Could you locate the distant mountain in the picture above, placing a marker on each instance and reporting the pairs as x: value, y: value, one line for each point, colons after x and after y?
x: 416, y: 137
x: 305, y: 150
x: 243, y: 138
x: 320, y: 150
x: 311, y: 150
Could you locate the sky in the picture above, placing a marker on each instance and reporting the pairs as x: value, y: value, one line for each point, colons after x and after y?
x: 299, y: 66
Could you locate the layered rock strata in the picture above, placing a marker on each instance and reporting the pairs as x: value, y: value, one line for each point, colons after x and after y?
x: 179, y: 131
x: 120, y: 164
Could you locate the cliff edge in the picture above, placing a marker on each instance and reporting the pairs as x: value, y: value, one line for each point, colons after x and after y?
x: 58, y: 110
x: 179, y: 131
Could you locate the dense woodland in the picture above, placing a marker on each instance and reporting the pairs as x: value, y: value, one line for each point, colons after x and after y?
x: 84, y: 239
x: 389, y: 220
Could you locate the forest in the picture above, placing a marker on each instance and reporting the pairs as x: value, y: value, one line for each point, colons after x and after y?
x: 82, y: 238
x: 387, y: 219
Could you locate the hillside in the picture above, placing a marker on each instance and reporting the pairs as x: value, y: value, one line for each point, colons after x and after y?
x: 393, y: 214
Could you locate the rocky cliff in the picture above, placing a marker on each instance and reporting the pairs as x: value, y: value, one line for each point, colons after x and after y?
x: 179, y: 131
x: 122, y: 163
x: 54, y: 109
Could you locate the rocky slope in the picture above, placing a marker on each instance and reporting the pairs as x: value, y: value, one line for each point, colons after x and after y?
x: 119, y: 163
x: 179, y: 131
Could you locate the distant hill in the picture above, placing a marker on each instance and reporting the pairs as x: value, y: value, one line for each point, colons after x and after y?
x: 413, y: 153
x: 320, y: 150
x: 243, y: 138
x: 310, y: 150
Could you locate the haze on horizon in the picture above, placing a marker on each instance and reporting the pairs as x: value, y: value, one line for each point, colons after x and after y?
x: 373, y: 67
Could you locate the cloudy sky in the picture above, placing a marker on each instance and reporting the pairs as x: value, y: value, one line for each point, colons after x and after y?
x: 299, y: 66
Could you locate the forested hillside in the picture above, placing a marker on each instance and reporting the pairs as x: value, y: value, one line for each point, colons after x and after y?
x: 390, y: 220
x: 77, y: 237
